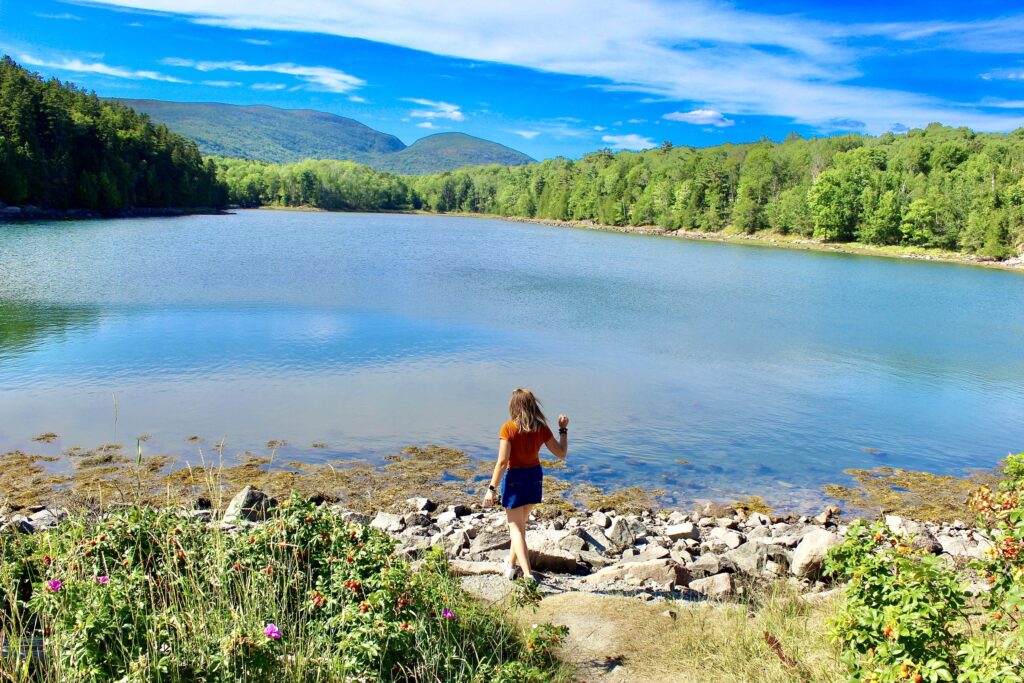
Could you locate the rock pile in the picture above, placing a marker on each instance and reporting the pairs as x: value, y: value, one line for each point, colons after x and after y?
x: 715, y: 552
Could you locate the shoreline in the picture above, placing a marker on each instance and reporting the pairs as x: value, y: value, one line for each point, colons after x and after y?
x: 28, y: 214
x: 768, y: 239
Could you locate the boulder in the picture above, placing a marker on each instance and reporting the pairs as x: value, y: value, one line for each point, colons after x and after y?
x: 626, y: 531
x: 717, y: 586
x: 490, y: 538
x: 595, y: 538
x: 757, y: 519
x: 654, y: 552
x: 749, y: 558
x: 421, y: 504
x: 250, y: 504
x: 416, y: 519
x: 922, y: 538
x: 552, y: 559
x: 682, y: 530
x: 386, y: 521
x: 706, y: 565
x: 458, y: 541
x: 656, y: 571
x: 446, y: 519
x: 720, y: 539
x: 810, y: 553
x: 601, y: 520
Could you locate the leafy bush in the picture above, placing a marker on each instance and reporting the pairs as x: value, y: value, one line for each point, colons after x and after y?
x: 147, y: 595
x: 907, y: 616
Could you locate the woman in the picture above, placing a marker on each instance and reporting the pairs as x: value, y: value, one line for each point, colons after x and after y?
x: 519, y: 471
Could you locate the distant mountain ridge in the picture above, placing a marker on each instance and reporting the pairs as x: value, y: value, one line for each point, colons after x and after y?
x: 288, y: 135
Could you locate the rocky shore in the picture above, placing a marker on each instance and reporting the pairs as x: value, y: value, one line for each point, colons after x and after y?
x: 715, y: 552
x: 34, y: 213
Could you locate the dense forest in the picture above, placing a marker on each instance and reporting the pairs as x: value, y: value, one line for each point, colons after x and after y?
x: 63, y: 147
x: 941, y: 187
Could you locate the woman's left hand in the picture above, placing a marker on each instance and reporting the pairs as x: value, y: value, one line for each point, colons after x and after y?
x: 489, y: 498
x: 563, y: 421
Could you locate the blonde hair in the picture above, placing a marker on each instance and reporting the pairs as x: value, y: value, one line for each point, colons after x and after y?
x: 524, y: 409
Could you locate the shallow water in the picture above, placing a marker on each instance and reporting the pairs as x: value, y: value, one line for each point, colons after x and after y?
x: 768, y: 371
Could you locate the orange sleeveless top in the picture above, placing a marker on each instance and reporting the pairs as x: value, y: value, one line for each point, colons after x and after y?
x: 525, y: 446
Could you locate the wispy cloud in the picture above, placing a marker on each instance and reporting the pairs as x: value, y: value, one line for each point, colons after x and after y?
x: 528, y: 134
x: 1016, y: 74
x: 728, y: 59
x: 77, y: 65
x: 426, y: 124
x: 631, y: 141
x: 435, y: 110
x: 255, y: 41
x: 315, y: 77
x: 357, y: 99
x: 269, y: 87
x: 702, y: 117
x: 65, y: 16
x: 221, y: 84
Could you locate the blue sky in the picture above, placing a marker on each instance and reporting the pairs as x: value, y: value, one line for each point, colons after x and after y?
x: 551, y: 78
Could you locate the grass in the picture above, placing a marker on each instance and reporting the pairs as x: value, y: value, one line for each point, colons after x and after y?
x: 150, y: 595
x: 720, y: 642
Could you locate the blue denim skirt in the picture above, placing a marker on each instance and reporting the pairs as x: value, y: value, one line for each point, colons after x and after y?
x: 522, y: 486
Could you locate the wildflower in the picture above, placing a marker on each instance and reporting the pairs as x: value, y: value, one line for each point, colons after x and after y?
x: 55, y: 585
x: 447, y: 614
x: 364, y: 606
x: 272, y: 632
x: 103, y: 579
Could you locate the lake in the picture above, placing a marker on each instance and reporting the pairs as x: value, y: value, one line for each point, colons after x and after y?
x: 709, y: 370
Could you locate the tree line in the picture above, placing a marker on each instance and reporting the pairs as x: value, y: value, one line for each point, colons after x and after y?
x: 62, y: 147
x: 943, y: 187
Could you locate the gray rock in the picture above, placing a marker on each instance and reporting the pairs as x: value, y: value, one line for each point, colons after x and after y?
x: 352, y: 517
x: 719, y: 539
x: 386, y: 521
x: 682, y: 530
x: 490, y: 538
x: 459, y: 510
x: 649, y: 553
x: 595, y: 538
x: 421, y: 504
x: 922, y: 538
x: 757, y: 519
x: 552, y: 559
x: 656, y: 571
x: 446, y: 519
x: 457, y: 541
x: 705, y: 565
x: 44, y: 519
x: 717, y: 586
x: 749, y: 558
x: 626, y: 531
x: 416, y: 519
x: 250, y: 504
x: 810, y: 553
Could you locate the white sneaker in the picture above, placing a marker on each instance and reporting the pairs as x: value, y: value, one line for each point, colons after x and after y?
x: 511, y: 571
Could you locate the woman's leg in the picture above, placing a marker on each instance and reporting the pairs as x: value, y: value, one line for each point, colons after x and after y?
x: 517, y: 533
x: 512, y: 557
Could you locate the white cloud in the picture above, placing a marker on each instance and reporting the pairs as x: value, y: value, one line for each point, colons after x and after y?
x: 437, y: 110
x: 221, y: 84
x: 634, y: 121
x: 357, y: 99
x: 703, y: 117
x: 707, y: 51
x: 63, y: 16
x: 255, y: 41
x: 269, y: 87
x: 631, y: 141
x: 79, y: 66
x: 316, y: 77
x: 1004, y: 75
x: 599, y: 128
x: 426, y: 124
x: 528, y: 134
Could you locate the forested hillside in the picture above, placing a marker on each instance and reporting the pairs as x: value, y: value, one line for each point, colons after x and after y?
x: 938, y: 187
x: 447, y: 152
x: 63, y: 147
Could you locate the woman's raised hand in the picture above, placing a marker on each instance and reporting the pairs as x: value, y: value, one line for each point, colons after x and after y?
x: 563, y: 421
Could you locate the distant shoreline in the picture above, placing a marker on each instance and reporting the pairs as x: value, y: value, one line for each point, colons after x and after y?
x: 26, y: 214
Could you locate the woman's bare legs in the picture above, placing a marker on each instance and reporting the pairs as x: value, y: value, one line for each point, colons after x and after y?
x: 517, y: 519
x: 512, y: 556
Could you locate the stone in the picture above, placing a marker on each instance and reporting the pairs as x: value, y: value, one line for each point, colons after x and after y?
x: 651, y: 553
x: 669, y: 614
x: 552, y: 559
x: 683, y: 530
x: 706, y: 565
x: 572, y: 543
x: 386, y: 521
x: 601, y: 520
x: 756, y: 519
x: 491, y: 538
x: 726, y: 523
x: 749, y: 558
x: 459, y: 510
x: 595, y: 560
x: 446, y: 519
x: 416, y: 519
x: 921, y: 537
x: 352, y: 517
x: 458, y: 541
x: 681, y: 556
x: 656, y: 571
x: 717, y: 510
x: 44, y: 519
x: 421, y: 504
x: 250, y: 504
x: 720, y: 538
x: 626, y: 531
x: 717, y: 586
x: 810, y: 553
x: 595, y: 538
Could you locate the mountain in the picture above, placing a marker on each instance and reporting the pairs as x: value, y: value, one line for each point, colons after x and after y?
x: 268, y: 133
x: 288, y: 135
x: 446, y: 152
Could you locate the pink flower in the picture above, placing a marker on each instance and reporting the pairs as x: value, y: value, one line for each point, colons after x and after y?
x: 103, y: 579
x: 272, y: 632
x: 447, y: 614
x: 55, y: 585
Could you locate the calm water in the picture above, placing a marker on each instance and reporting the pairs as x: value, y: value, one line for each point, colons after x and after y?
x: 768, y: 371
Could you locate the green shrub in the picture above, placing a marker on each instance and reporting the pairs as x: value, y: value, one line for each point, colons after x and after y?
x: 147, y: 595
x: 906, y: 614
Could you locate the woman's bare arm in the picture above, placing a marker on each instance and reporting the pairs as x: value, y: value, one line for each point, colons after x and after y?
x: 560, y: 446
x: 504, y: 452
